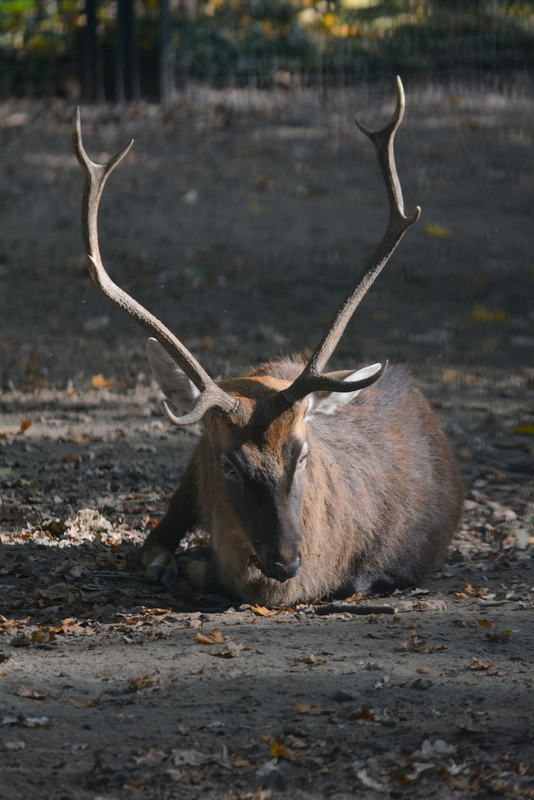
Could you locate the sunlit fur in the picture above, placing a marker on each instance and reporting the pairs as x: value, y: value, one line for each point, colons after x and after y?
x: 379, y: 500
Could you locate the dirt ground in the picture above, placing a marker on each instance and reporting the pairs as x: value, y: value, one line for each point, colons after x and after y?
x: 241, y: 219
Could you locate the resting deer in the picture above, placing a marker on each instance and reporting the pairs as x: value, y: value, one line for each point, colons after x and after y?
x: 308, y: 482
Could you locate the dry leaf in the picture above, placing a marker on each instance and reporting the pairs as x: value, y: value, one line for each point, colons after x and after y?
x: 363, y: 713
x: 480, y: 313
x: 146, y: 681
x: 230, y: 650
x: 528, y: 428
x: 277, y: 749
x: 215, y: 637
x: 40, y: 637
x: 471, y: 591
x: 31, y: 694
x: 24, y: 425
x: 20, y: 641
x: 59, y: 591
x: 99, y: 382
x: 370, y: 782
x: 502, y: 638
x: 95, y: 701
x: 437, y: 231
x: 37, y: 722
x: 422, y: 671
x: 261, y: 611
x: 485, y: 623
x: 477, y: 664
x: 307, y: 708
x: 311, y: 659
x: 13, y: 623
x: 67, y: 625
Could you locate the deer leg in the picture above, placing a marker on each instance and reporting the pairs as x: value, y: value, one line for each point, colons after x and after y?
x: 157, y: 553
x: 372, y: 583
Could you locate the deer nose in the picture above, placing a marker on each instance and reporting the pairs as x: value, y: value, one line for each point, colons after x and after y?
x: 281, y: 571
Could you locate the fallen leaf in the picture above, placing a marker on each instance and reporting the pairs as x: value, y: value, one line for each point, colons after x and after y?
x: 261, y: 611
x: 307, y: 708
x: 311, y: 659
x: 528, y: 428
x: 99, y: 382
x: 67, y: 625
x: 422, y: 671
x: 152, y: 755
x: 37, y: 722
x: 480, y: 313
x: 230, y: 650
x: 24, y: 425
x: 191, y: 758
x: 502, y: 638
x: 458, y: 784
x: 471, y: 591
x: 40, y: 637
x: 437, y: 231
x: 13, y: 623
x: 277, y: 749
x: 146, y: 681
x: 479, y: 665
x: 484, y: 623
x: 437, y: 748
x: 95, y: 701
x: 215, y: 637
x: 31, y: 694
x: 363, y: 713
x: 22, y: 640
x: 370, y: 782
x: 59, y: 591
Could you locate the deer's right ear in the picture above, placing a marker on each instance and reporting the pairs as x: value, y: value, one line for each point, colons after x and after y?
x: 172, y: 380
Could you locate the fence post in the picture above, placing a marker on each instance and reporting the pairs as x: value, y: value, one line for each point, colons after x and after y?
x: 126, y: 72
x: 164, y: 51
x: 90, y: 82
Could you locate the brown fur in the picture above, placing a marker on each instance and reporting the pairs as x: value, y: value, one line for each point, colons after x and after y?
x: 373, y: 509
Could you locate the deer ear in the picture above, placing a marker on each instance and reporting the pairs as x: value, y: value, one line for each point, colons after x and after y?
x: 172, y: 380
x: 331, y: 402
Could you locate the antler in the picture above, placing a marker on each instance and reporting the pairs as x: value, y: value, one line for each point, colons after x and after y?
x: 211, y: 395
x: 311, y: 378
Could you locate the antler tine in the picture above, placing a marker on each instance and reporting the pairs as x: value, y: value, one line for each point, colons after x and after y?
x: 311, y: 379
x: 211, y: 395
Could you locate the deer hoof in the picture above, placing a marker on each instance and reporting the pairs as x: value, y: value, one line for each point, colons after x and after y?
x: 196, y: 573
x: 162, y: 569
x: 169, y: 576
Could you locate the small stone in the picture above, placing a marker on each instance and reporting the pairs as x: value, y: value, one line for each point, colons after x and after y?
x: 343, y: 697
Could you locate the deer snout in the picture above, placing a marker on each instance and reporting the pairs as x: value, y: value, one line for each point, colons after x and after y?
x: 282, y: 571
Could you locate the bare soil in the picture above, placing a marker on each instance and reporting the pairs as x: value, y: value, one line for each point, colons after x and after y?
x: 241, y: 220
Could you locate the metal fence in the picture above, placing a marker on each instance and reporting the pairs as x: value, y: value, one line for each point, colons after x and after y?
x: 128, y: 49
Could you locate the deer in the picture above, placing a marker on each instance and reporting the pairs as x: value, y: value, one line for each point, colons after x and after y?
x: 308, y: 483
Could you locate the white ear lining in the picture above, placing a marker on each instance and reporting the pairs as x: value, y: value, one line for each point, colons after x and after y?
x: 172, y: 380
x: 330, y: 402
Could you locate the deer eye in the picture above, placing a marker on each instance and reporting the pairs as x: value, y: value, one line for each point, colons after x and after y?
x: 303, y: 457
x: 228, y: 469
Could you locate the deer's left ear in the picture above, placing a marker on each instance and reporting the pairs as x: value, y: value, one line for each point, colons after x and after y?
x: 331, y: 402
x: 172, y: 380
